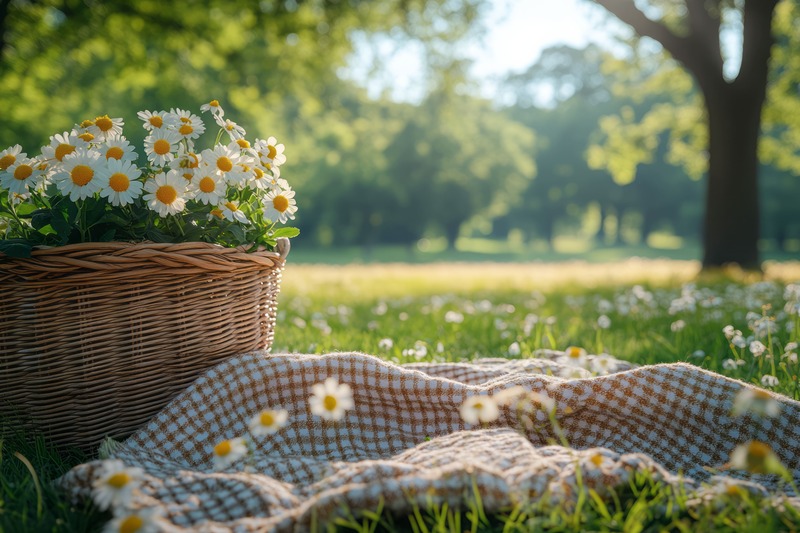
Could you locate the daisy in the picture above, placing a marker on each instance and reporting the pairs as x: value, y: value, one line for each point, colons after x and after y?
x: 78, y: 176
x: 120, y: 182
x: 234, y: 130
x: 228, y: 452
x: 331, y: 399
x: 118, y: 148
x: 115, y: 484
x: 230, y: 210
x: 186, y: 162
x: 10, y: 155
x: 270, y: 151
x: 105, y: 127
x: 20, y: 176
x: 756, y: 457
x: 214, y: 107
x: 574, y: 356
x: 62, y: 144
x: 271, y: 180
x: 156, y: 120
x: 140, y: 521
x: 280, y: 205
x: 189, y: 126
x: 224, y: 160
x: 757, y: 401
x: 479, y: 409
x: 166, y: 193
x: 160, y: 145
x: 268, y: 421
x: 207, y: 186
x: 244, y: 144
x: 768, y: 380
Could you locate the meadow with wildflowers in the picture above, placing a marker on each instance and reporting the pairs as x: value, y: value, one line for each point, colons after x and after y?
x: 647, y: 313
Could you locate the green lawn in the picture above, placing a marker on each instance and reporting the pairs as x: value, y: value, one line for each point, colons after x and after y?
x: 658, y: 312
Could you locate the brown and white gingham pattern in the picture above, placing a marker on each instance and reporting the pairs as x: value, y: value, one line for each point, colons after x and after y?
x: 404, y: 442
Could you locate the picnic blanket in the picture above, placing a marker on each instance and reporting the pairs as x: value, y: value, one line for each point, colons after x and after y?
x: 404, y: 442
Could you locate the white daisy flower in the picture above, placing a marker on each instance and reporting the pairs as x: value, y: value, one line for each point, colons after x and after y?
x: 228, y: 452
x: 270, y: 151
x: 603, y: 364
x: 280, y: 205
x: 214, y: 107
x: 61, y: 145
x: 120, y: 182
x: 268, y: 421
x: 22, y: 175
x: 160, y: 145
x: 330, y: 400
x: 514, y: 349
x: 769, y: 381
x: 479, y: 409
x: 223, y: 159
x: 757, y: 401
x: 603, y: 322
x: 186, y: 162
x: 166, y: 193
x: 268, y: 180
x: 243, y: 143
x: 105, y: 127
x: 156, y: 120
x: 115, y: 484
x: 756, y: 457
x: 78, y: 175
x: 234, y: 130
x: 189, y: 126
x: 385, y: 344
x: 574, y: 356
x: 230, y: 210
x: 207, y: 186
x: 118, y: 148
x: 10, y: 155
x: 757, y: 348
x: 139, y: 521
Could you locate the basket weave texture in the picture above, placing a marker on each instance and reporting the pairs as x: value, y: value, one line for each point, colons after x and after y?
x: 95, y: 338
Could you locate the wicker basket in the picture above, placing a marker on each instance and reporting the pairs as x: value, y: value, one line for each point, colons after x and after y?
x: 95, y: 338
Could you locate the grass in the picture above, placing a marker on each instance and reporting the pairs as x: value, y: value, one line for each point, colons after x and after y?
x: 659, y: 312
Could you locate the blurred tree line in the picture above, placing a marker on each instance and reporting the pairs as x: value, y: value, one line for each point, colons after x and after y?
x: 585, y: 143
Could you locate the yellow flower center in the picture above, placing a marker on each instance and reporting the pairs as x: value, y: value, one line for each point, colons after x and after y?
x: 188, y: 176
x: 23, y: 172
x: 190, y: 161
x: 103, y: 123
x: 156, y: 121
x: 7, y: 160
x: 223, y: 448
x: 207, y: 184
x: 62, y: 150
x: 186, y: 129
x: 245, y: 168
x: 280, y: 203
x: 271, y: 151
x: 575, y: 352
x: 186, y: 120
x: 161, y: 146
x: 214, y: 103
x: 596, y: 459
x: 224, y: 164
x: 88, y: 137
x: 217, y: 213
x: 243, y: 143
x: 259, y: 173
x: 231, y: 206
x: 330, y: 402
x: 81, y: 175
x: 166, y: 194
x: 477, y: 406
x: 87, y: 123
x: 759, y: 394
x: 119, y: 480
x: 131, y: 524
x: 758, y: 450
x: 119, y: 182
x: 267, y: 419
x: 115, y: 152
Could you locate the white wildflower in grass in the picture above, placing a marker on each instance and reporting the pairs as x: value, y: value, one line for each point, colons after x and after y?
x: 514, y: 349
x: 757, y: 401
x: 160, y: 146
x: 78, y: 176
x: 207, y: 186
x: 331, y: 399
x: 280, y: 205
x: 768, y: 380
x: 385, y: 344
x: 139, y: 521
x: 268, y: 421
x: 453, y: 317
x: 733, y: 364
x: 603, y: 364
x: 214, y: 107
x: 480, y: 409
x: 228, y: 452
x: 699, y: 354
x: 677, y: 326
x: 166, y: 193
x: 574, y: 356
x: 757, y: 348
x: 119, y: 182
x: 118, y: 148
x: 104, y: 127
x: 603, y: 322
x: 61, y: 145
x: 24, y: 174
x: 739, y: 341
x: 756, y: 457
x: 156, y: 120
x: 231, y: 212
x: 270, y: 151
x: 729, y: 332
x: 114, y: 485
x: 10, y: 155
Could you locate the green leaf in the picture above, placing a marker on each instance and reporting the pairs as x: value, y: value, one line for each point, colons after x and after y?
x: 287, y: 232
x: 108, y: 236
x: 16, y: 248
x: 41, y: 218
x: 238, y: 233
x: 62, y: 227
x: 24, y: 209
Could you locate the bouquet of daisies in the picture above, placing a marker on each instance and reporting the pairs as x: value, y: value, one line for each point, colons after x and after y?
x: 88, y: 185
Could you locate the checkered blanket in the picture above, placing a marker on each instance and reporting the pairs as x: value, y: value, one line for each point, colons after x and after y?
x: 404, y: 443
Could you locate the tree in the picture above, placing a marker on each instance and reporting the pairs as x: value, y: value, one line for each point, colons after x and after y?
x: 733, y: 109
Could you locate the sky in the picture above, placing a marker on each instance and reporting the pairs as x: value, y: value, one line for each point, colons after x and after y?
x: 517, y: 32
